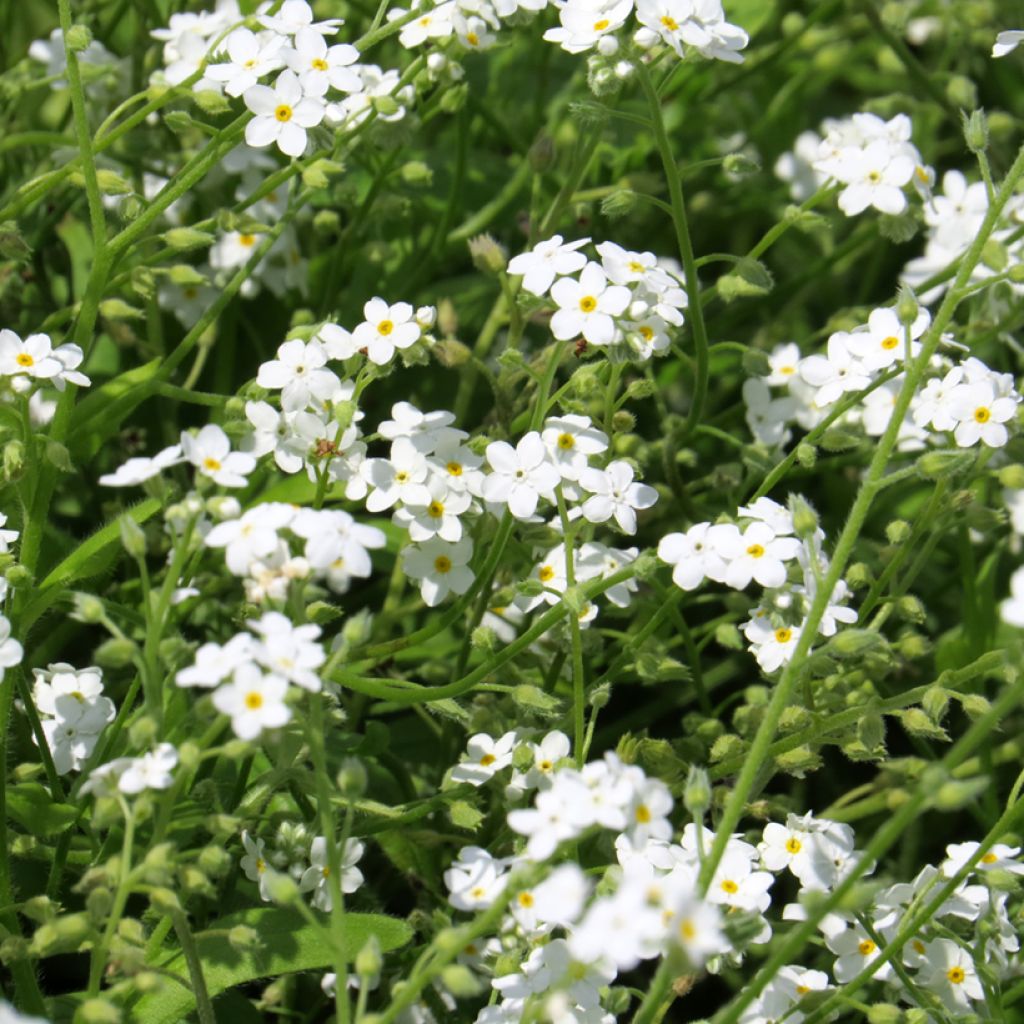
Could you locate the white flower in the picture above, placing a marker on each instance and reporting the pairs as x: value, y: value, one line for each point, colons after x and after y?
x: 475, y: 878
x: 298, y: 371
x: 33, y: 357
x: 697, y: 929
x: 11, y: 651
x: 884, y: 341
x: 139, y: 469
x: 400, y: 478
x: 571, y: 440
x: 441, y: 568
x: 63, y: 680
x: 214, y: 663
x: 615, y: 494
x: 316, y: 877
x: 210, y: 452
x: 254, y: 863
x: 545, y: 261
x: 250, y: 58
x: 426, y: 430
x: 439, y: 516
x: 1011, y: 611
x: 1006, y: 42
x: 999, y: 857
x: 288, y: 650
x: 385, y: 329
x: 587, y: 306
x: 948, y: 970
x: 321, y: 67
x: 254, y: 701
x: 584, y: 25
x: 283, y: 114
x: 151, y: 771
x: 835, y: 374
x: 933, y: 405
x: 772, y: 646
x: 521, y: 476
x: 755, y: 554
x: 692, y: 557
x: 253, y: 536
x: 296, y: 15
x: 855, y: 950
x: 484, y: 757
x: 981, y: 415
x: 874, y: 176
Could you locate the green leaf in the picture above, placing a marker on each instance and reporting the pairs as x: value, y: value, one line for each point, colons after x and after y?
x: 86, y: 560
x: 289, y: 945
x: 32, y: 807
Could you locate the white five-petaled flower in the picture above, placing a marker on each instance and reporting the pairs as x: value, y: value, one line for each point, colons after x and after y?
x: 33, y: 357
x: 283, y: 114
x: 299, y: 373
x: 254, y: 701
x: 547, y: 260
x: 571, y: 440
x: 692, y: 557
x: 587, y: 306
x: 317, y: 877
x: 210, y: 452
x: 385, y: 329
x: 250, y: 57
x: 874, y: 176
x: 484, y: 757
x: 614, y: 493
x: 320, y: 66
x: 440, y: 566
x: 981, y: 415
x: 521, y: 476
x: 755, y: 554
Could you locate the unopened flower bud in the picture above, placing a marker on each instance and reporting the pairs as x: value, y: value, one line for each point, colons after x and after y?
x: 369, y: 960
x: 620, y: 203
x: 98, y: 1011
x: 117, y: 652
x: 906, y: 306
x: 487, y: 254
x: 351, y: 779
x: 975, y: 126
x: 79, y: 38
x: 697, y: 792
x: 805, y: 519
x: 806, y: 455
x: 542, y: 153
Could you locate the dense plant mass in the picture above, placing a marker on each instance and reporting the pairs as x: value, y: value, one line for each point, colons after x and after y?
x: 511, y: 511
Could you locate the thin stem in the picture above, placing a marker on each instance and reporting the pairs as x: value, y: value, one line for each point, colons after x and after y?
x: 695, y: 310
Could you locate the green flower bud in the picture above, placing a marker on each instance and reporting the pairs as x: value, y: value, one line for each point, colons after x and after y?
x: 805, y: 519
x: 483, y: 638
x: 806, y: 455
x: 940, y: 465
x: 132, y: 537
x: 352, y: 779
x: 756, y: 363
x: 79, y: 38
x: 117, y: 652
x: 697, y: 792
x: 98, y: 1011
x: 118, y: 309
x: 40, y: 909
x: 1012, y: 476
x: 740, y: 164
x: 487, y: 255
x: 327, y: 223
x: 898, y: 531
x: 975, y: 126
x: 369, y: 959
x: 282, y: 889
x: 14, y: 459
x: 600, y: 696
x: 243, y: 938
x: 542, y: 153
x: 451, y: 353
x: 214, y: 860
x: 111, y: 183
x: 621, y: 203
x: 461, y: 981
x: 454, y: 98
x: 210, y: 102
x: 98, y: 904
x: 184, y: 239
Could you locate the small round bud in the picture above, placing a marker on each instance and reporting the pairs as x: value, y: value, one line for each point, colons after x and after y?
x: 756, y: 363
x: 805, y: 519
x: 98, y: 1011
x: 369, y: 959
x: 806, y: 455
x: 79, y: 38
x: 542, y: 153
x: 244, y: 938
x: 143, y: 732
x: 352, y: 779
x: 898, y: 531
x: 282, y: 889
x: 697, y: 792
x: 487, y: 254
x: 975, y: 126
x: 117, y: 652
x: 623, y: 422
x: 906, y: 306
x: 17, y: 575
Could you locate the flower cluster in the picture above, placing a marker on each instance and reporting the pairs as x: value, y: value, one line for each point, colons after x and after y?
x: 630, y: 302
x: 964, y: 402
x: 874, y: 161
x: 296, y: 855
x: 74, y: 711
x: 760, y: 547
x: 33, y: 362
x: 573, y: 939
x: 252, y: 673
x: 133, y: 775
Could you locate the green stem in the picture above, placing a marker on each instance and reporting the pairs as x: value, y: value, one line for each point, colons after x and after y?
x: 694, y: 310
x: 204, y: 1007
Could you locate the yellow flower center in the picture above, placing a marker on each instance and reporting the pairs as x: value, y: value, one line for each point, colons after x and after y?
x: 261, y: 865
x: 210, y: 464
x: 783, y: 635
x: 435, y: 510
x: 525, y: 899
x: 989, y: 858
x: 890, y: 342
x: 250, y: 63
x: 545, y: 766
x: 755, y: 551
x: 670, y: 23
x: 793, y: 845
x: 600, y: 26
x: 875, y: 177
x: 24, y: 359
x: 545, y: 573
x: 319, y: 64
x: 635, y: 265
x: 643, y: 814
x: 922, y: 174
x: 477, y: 892
x: 866, y: 948
x: 918, y: 946
x: 787, y: 371
x: 588, y: 304
x: 687, y: 929
x: 385, y: 327
x: 454, y: 468
x: 443, y: 564
x: 982, y: 414
x: 802, y: 990
x: 730, y: 887
x: 956, y: 975
x: 247, y: 240
x: 646, y: 332
x: 473, y: 39
x: 566, y: 442
x: 283, y: 113
x: 254, y: 700
x: 487, y: 760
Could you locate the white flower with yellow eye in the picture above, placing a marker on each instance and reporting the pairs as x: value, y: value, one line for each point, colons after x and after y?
x: 284, y: 114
